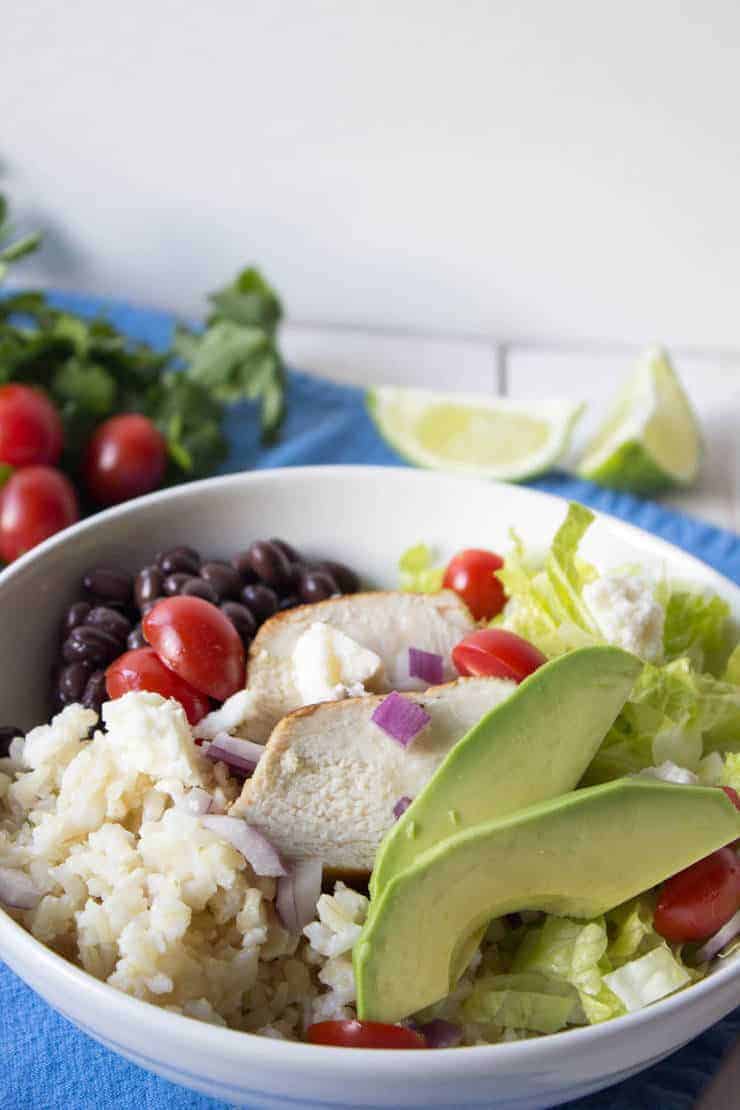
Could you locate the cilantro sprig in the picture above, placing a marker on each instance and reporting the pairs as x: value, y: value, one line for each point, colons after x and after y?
x: 92, y: 371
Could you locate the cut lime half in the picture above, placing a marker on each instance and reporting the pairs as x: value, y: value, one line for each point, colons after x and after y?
x: 650, y: 440
x: 491, y: 437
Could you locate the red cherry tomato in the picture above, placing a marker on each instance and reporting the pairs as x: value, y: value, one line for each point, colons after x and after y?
x: 30, y: 427
x: 470, y: 574
x: 732, y: 795
x: 494, y: 651
x: 364, y: 1034
x: 142, y: 669
x: 199, y: 643
x: 35, y: 503
x: 126, y: 457
x: 698, y: 901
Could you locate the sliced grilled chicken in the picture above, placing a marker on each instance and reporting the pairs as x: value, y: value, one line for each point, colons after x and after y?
x: 387, y: 623
x: 329, y: 778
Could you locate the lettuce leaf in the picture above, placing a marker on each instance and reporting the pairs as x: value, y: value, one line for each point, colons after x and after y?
x: 730, y: 775
x: 522, y: 1001
x: 575, y: 953
x: 674, y: 713
x: 545, y: 604
x: 695, y: 627
x: 645, y: 980
x: 418, y: 573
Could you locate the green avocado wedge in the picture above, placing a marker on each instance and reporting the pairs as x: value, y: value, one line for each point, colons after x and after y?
x: 578, y: 855
x: 534, y: 745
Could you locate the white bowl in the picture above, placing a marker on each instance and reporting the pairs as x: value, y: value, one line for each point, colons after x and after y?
x: 365, y: 517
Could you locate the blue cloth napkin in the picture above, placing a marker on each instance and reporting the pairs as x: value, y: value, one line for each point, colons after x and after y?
x: 43, y: 1058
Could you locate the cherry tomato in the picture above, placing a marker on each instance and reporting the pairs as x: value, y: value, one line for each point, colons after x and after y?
x: 364, y: 1034
x: 494, y: 651
x: 698, y: 901
x: 470, y: 574
x: 35, y: 503
x: 199, y: 643
x: 30, y: 427
x: 126, y: 457
x: 732, y: 795
x: 142, y: 669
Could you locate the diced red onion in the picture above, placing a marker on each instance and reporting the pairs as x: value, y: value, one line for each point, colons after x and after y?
x: 17, y: 889
x: 196, y: 802
x: 401, y: 806
x: 239, y: 755
x: 256, y: 848
x: 715, y: 944
x: 297, y: 894
x: 426, y: 665
x: 401, y: 718
x: 440, y: 1033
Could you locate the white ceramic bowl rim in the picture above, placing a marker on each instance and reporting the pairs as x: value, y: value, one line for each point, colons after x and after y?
x: 228, y: 1043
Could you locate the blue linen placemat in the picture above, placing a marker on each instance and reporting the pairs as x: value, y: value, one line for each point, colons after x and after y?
x: 43, y: 1056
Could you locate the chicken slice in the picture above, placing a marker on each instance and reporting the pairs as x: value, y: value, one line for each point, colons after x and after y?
x: 386, y: 623
x: 329, y: 778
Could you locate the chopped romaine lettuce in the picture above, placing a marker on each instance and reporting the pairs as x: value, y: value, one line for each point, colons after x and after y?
x: 674, y: 714
x: 574, y: 952
x: 631, y: 930
x: 522, y: 1001
x: 545, y: 604
x: 645, y: 980
x: 730, y: 773
x: 418, y: 574
x: 732, y: 670
x: 695, y: 626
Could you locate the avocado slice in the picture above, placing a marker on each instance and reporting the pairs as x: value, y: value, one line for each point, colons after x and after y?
x: 534, y: 745
x: 578, y: 855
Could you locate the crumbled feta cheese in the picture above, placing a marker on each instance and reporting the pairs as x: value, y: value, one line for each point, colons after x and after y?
x: 328, y: 665
x: 627, y: 614
x: 227, y: 718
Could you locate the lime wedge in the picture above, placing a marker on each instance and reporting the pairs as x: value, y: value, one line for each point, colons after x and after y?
x: 650, y: 440
x: 473, y: 434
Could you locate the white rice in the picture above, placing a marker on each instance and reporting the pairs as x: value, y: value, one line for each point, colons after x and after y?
x: 135, y: 890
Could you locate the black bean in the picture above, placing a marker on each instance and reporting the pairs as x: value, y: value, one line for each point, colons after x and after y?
x: 108, y: 585
x: 75, y: 616
x: 243, y: 566
x: 173, y: 583
x: 289, y: 552
x: 344, y: 576
x: 148, y: 585
x: 198, y: 587
x: 95, y: 692
x: 90, y: 645
x: 242, y: 620
x: 289, y: 602
x: 224, y: 579
x: 136, y: 638
x: 71, y: 682
x: 261, y: 600
x: 317, y: 585
x: 271, y: 564
x: 179, y: 560
x: 111, y: 621
x: 8, y: 733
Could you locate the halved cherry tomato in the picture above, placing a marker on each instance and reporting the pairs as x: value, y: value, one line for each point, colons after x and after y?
x: 732, y: 795
x: 698, y: 901
x: 199, y: 643
x: 494, y: 651
x: 364, y: 1034
x: 470, y: 574
x: 35, y: 503
x: 30, y: 427
x: 142, y: 669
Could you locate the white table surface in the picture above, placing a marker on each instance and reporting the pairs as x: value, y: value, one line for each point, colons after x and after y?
x: 712, y: 381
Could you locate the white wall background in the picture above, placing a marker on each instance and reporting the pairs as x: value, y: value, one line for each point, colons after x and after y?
x: 528, y: 171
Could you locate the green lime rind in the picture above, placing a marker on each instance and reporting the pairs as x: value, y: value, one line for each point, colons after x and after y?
x: 630, y: 468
